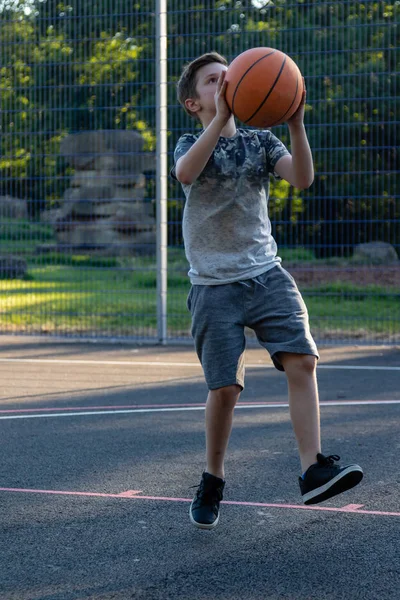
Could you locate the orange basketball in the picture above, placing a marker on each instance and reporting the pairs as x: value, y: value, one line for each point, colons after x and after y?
x: 264, y: 87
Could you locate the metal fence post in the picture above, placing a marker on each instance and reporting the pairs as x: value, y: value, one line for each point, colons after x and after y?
x: 161, y: 169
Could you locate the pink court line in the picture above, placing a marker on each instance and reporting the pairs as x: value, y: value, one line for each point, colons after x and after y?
x: 134, y: 495
x: 187, y: 405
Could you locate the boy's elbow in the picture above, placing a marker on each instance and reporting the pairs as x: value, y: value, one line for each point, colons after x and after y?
x: 185, y: 181
x: 183, y: 177
x: 305, y: 184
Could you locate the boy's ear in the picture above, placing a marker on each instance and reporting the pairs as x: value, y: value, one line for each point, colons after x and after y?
x: 192, y: 105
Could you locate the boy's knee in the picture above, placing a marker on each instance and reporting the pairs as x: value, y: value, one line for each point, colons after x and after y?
x: 297, y: 364
x: 227, y: 395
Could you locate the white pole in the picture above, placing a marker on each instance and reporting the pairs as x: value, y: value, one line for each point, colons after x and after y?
x: 162, y: 167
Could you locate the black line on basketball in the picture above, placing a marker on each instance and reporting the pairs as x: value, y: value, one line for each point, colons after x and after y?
x: 283, y: 116
x: 244, y: 75
x: 269, y: 93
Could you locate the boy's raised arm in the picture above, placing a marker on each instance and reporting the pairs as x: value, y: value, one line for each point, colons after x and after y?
x: 190, y: 166
x: 297, y: 169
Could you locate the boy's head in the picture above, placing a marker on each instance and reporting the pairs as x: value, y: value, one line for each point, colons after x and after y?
x: 198, y: 82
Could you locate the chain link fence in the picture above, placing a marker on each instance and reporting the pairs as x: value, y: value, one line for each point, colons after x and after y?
x: 83, y: 157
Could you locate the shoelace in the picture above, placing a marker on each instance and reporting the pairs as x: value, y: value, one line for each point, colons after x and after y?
x: 209, y: 494
x: 327, y: 460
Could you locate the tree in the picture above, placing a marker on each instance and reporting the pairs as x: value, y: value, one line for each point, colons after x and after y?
x: 72, y: 66
x: 349, y: 55
x: 55, y: 83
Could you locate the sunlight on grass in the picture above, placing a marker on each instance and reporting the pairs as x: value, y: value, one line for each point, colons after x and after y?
x: 64, y: 299
x: 93, y: 295
x: 112, y: 301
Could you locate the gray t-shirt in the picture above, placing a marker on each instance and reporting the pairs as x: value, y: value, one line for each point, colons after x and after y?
x: 226, y: 228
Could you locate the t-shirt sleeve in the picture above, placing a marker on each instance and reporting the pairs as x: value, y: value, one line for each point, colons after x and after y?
x: 185, y: 142
x: 274, y: 150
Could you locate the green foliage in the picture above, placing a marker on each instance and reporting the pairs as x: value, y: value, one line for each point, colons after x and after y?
x: 72, y: 66
x: 349, y: 55
x: 298, y: 254
x: 74, y: 260
x: 20, y: 230
x: 63, y: 76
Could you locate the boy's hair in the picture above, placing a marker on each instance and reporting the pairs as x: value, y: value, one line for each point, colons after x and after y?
x: 186, y: 87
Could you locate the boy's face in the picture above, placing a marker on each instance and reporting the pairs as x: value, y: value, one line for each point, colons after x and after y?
x: 206, y: 86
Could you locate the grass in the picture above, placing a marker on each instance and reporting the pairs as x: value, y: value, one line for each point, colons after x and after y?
x: 99, y: 295
x: 118, y: 301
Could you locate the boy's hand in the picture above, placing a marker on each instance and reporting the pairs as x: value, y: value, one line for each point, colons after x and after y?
x: 223, y: 110
x: 298, y: 117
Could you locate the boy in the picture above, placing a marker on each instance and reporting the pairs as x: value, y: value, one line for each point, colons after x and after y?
x: 237, y: 279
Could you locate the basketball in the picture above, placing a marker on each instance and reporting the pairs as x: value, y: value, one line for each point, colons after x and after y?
x: 264, y: 87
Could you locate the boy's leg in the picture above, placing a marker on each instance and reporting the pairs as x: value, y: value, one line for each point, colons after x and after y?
x: 322, y: 478
x: 219, y: 417
x: 204, y: 509
x: 300, y: 370
x: 280, y: 320
x: 218, y: 332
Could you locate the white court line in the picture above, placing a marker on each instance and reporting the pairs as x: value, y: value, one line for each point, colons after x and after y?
x: 190, y: 408
x: 176, y: 364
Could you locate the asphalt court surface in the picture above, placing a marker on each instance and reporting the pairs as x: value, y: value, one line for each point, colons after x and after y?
x: 101, y: 444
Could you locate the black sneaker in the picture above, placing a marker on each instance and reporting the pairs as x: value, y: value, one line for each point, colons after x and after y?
x: 324, y: 479
x: 204, y: 509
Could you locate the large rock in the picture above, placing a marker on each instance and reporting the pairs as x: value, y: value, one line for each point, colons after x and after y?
x: 378, y: 253
x: 102, y: 237
x: 112, y: 150
x: 12, y: 267
x: 105, y: 207
x: 13, y: 208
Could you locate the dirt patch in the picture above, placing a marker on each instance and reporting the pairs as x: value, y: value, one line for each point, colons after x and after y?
x: 311, y: 275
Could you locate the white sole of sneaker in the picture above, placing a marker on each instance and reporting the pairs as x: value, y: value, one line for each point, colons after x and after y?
x: 345, y: 480
x: 202, y: 525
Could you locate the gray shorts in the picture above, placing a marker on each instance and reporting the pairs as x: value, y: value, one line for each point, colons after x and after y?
x: 270, y: 304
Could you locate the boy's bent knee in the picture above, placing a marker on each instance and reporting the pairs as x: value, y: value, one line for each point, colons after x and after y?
x: 298, y: 363
x: 227, y: 395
